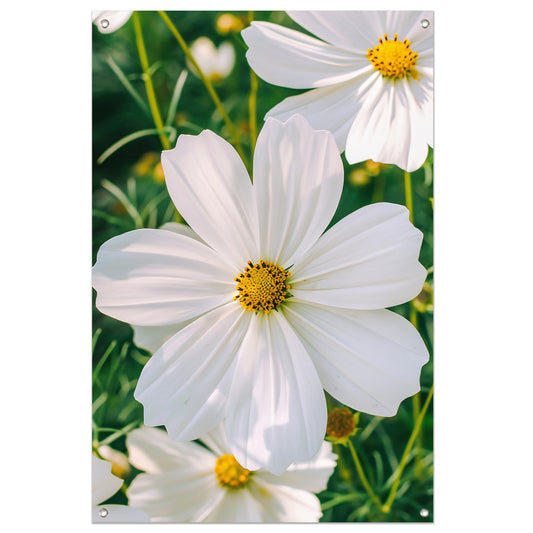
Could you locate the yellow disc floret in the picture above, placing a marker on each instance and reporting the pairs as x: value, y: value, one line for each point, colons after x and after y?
x: 230, y: 473
x: 262, y: 286
x: 394, y: 59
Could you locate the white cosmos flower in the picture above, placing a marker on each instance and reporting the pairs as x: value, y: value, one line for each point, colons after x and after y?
x: 186, y: 482
x: 216, y: 63
x: 104, y: 485
x: 110, y: 21
x: 264, y: 372
x: 376, y: 111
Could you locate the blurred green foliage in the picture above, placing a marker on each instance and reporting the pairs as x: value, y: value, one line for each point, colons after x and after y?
x: 128, y: 192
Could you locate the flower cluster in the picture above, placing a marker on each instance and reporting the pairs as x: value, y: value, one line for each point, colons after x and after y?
x: 258, y: 308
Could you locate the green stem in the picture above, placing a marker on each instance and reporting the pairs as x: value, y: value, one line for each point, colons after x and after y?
x: 152, y: 101
x: 208, y: 85
x: 362, y: 476
x: 378, y: 189
x: 408, y: 194
x: 414, y: 320
x: 252, y: 102
x: 416, y: 408
x: 403, y: 461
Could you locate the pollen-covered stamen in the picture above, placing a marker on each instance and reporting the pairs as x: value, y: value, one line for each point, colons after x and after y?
x: 230, y: 473
x: 262, y: 286
x: 394, y: 59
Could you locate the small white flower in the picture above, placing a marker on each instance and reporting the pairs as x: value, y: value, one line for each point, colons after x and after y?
x: 215, y: 63
x: 104, y: 485
x: 110, y: 21
x: 371, y: 75
x: 186, y: 482
x: 263, y: 308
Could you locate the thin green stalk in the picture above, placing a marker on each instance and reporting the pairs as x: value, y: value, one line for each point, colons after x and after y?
x: 342, y: 498
x: 408, y: 194
x: 362, y: 476
x: 378, y: 188
x: 416, y: 409
x: 414, y: 320
x: 403, y: 461
x: 252, y: 101
x: 152, y: 101
x: 208, y: 85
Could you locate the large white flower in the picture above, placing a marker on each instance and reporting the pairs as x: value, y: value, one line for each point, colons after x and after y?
x: 371, y: 76
x: 267, y: 308
x: 104, y: 485
x: 186, y: 482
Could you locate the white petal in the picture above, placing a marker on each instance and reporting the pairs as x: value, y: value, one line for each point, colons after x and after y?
x: 184, y: 384
x: 285, y: 504
x: 182, y: 229
x: 183, y: 495
x: 368, y: 360
x: 118, y: 514
x: 310, y: 475
x: 236, y: 506
x: 204, y: 53
x: 110, y: 21
x: 104, y: 483
x: 360, y: 30
x: 151, y: 338
x: 153, y: 451
x: 421, y: 37
x: 331, y: 108
x: 389, y: 127
x: 216, y: 441
x: 420, y: 96
x: 211, y: 189
x: 225, y: 59
x: 298, y: 178
x: 285, y: 57
x: 351, y: 30
x: 368, y: 260
x: 154, y: 277
x: 276, y: 411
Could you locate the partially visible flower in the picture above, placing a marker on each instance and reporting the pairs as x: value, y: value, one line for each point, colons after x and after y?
x: 342, y: 424
x: 424, y: 301
x: 215, y: 63
x: 228, y: 23
x: 371, y: 75
x: 187, y: 482
x: 119, y: 462
x: 104, y: 485
x: 110, y: 21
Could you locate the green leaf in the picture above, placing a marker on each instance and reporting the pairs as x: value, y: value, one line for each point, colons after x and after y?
x: 127, y: 85
x: 125, y: 201
x: 175, y: 97
x: 132, y: 137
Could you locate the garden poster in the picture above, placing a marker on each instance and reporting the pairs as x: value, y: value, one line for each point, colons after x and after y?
x: 262, y: 266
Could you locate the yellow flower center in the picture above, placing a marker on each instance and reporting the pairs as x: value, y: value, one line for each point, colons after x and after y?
x: 394, y: 59
x: 341, y: 423
x: 262, y: 286
x: 230, y: 473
